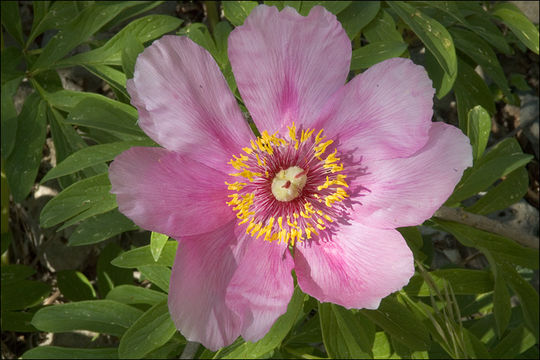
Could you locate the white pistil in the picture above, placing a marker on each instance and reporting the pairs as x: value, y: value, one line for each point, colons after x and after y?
x: 288, y: 184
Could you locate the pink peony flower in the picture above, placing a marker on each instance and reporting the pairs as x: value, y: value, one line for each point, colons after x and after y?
x: 337, y: 168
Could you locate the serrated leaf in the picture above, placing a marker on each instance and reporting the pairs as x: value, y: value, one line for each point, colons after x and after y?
x: 143, y: 256
x: 23, y: 163
x: 79, y: 201
x: 479, y: 128
x: 358, y: 15
x: 101, y: 227
x: 520, y: 25
x: 152, y: 330
x: 237, y: 11
x: 101, y: 316
x: 130, y: 294
x: 58, y: 352
x: 74, y: 285
x: 376, y: 52
x: 434, y: 36
x: 158, y: 275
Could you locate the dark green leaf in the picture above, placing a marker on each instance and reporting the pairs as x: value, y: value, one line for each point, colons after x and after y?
x: 221, y: 35
x: 58, y: 16
x: 129, y: 294
x: 396, y: 320
x: 478, y: 130
x: 463, y: 282
x: 108, y: 275
x: 17, y: 321
x: 152, y: 330
x: 101, y: 227
x: 143, y: 256
x: 520, y: 25
x: 475, y: 348
x: 382, y: 28
x: 75, y: 286
x: 346, y: 335
x: 358, y: 15
x: 58, y: 352
x: 15, y: 272
x: 23, y: 163
x: 501, y: 302
x: 414, y: 241
x: 374, y: 53
x: 101, y: 316
x: 133, y: 47
x: 157, y: 242
x: 517, y: 341
x: 11, y: 20
x: 335, y: 7
x: 9, y: 116
x: 23, y: 294
x: 80, y: 201
x: 237, y: 11
x: 434, y: 36
x: 158, y: 275
x: 442, y: 82
x: 115, y: 78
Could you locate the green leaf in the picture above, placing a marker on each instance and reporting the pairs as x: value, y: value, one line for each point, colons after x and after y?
x: 17, y: 321
x: 434, y: 36
x: 101, y: 316
x: 67, y: 100
x: 376, y: 52
x: 462, y: 281
x: 152, y: 330
x: 15, y: 272
x: 221, y: 35
x: 508, y: 192
x: 346, y: 335
x: 108, y: 275
x: 58, y: 16
x: 80, y: 29
x: 520, y: 25
x: 130, y: 294
x: 272, y: 339
x: 157, y: 242
x: 479, y: 128
x: 23, y: 163
x: 80, y: 201
x: 357, y: 16
x: 414, y: 240
x: 481, y: 53
x: 398, y: 321
x: 382, y: 28
x: 237, y: 11
x: 441, y: 80
x: 143, y: 30
x: 133, y: 47
x: 158, y: 275
x: 90, y: 156
x: 101, y: 227
x: 116, y: 118
x: 501, y: 248
x: 381, y: 346
x: 143, y: 256
x: 517, y: 341
x: 335, y: 7
x: 58, y: 352
x: 75, y: 286
x: 11, y: 20
x: 115, y: 78
x: 9, y: 116
x: 200, y: 34
x: 475, y: 349
x: 23, y: 294
x: 502, y: 308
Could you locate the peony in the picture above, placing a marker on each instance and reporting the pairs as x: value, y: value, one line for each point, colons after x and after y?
x: 336, y: 169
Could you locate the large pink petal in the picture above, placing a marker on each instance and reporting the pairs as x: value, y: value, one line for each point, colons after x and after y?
x: 262, y: 287
x: 406, y: 192
x: 382, y: 113
x: 357, y: 268
x: 286, y: 65
x: 184, y: 102
x: 166, y: 192
x: 202, y: 271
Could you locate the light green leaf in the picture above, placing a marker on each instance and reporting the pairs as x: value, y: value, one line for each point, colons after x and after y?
x: 479, y: 128
x: 143, y: 256
x: 158, y: 275
x: 23, y: 163
x: 381, y: 346
x: 398, y: 321
x: 58, y: 352
x: 157, y: 242
x: 90, y: 156
x: 11, y: 20
x: 67, y: 100
x: 133, y: 47
x: 221, y: 35
x: 382, y: 28
x: 346, y: 335
x: 462, y: 281
x: 280, y: 329
x: 237, y: 11
x: 374, y: 53
x: 74, y: 285
x: 520, y: 25
x: 130, y: 294
x: 152, y: 330
x: 115, y: 78
x: 101, y: 316
x: 357, y: 16
x: 434, y: 36
x: 81, y: 200
x: 100, y: 227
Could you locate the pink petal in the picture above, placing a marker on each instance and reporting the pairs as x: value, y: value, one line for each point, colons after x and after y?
x: 357, y: 268
x: 184, y: 102
x: 382, y: 113
x: 286, y: 65
x: 262, y: 287
x: 406, y: 192
x: 166, y: 192
x: 203, y: 268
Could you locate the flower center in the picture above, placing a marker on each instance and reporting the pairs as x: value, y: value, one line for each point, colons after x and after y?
x: 288, y: 184
x: 291, y: 187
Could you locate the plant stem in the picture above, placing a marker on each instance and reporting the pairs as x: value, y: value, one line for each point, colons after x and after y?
x: 211, y: 15
x: 190, y: 350
x: 484, y: 223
